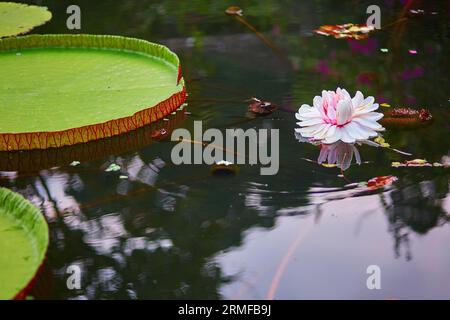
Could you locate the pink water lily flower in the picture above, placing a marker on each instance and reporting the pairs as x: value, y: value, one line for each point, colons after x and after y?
x: 336, y: 116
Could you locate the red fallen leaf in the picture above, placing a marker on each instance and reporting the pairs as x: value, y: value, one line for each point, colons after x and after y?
x: 380, y: 182
x: 346, y: 31
x: 260, y: 107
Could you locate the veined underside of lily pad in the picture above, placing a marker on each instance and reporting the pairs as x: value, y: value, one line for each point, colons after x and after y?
x: 23, y: 244
x: 19, y: 18
x: 58, y: 90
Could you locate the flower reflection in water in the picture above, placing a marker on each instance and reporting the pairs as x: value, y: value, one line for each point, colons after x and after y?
x: 339, y: 154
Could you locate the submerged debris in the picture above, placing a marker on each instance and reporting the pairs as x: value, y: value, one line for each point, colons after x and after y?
x: 260, y: 107
x: 346, y: 31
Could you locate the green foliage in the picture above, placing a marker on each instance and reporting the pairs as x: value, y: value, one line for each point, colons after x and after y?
x: 18, y: 18
x: 23, y: 242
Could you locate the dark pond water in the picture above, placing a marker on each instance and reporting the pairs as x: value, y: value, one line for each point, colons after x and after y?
x: 178, y: 232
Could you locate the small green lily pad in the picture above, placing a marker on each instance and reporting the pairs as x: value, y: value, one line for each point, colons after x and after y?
x: 19, y: 18
x: 23, y: 244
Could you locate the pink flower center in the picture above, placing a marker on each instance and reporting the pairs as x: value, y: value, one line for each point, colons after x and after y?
x: 329, y: 107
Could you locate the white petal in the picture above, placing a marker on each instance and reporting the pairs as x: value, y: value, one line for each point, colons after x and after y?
x: 331, y: 131
x: 345, y: 94
x: 344, y: 111
x: 345, y: 136
x: 310, y: 122
x: 317, y: 103
x: 370, y: 143
x: 366, y: 109
x: 372, y: 116
x: 356, y: 131
x: 305, y: 107
x: 335, y: 137
x: 308, y: 115
x: 367, y: 123
x: 357, y: 99
x: 308, y: 132
x: 368, y: 101
x: 321, y: 133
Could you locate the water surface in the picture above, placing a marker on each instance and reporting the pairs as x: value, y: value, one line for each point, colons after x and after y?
x: 177, y: 232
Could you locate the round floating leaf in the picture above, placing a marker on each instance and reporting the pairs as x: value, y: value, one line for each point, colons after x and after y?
x: 58, y: 90
x: 18, y: 18
x: 23, y: 244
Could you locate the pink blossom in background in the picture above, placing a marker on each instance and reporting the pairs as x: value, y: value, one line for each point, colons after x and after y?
x: 412, y: 73
x: 365, y: 47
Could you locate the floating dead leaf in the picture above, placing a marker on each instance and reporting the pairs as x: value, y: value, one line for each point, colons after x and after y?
x: 234, y: 10
x: 412, y: 163
x: 74, y: 163
x: 224, y: 168
x: 260, y: 107
x: 386, y: 105
x: 380, y: 182
x: 346, y: 31
x: 159, y: 134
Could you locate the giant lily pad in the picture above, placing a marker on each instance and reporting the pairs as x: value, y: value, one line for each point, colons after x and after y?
x: 58, y: 90
x: 36, y: 160
x: 23, y: 244
x: 18, y: 18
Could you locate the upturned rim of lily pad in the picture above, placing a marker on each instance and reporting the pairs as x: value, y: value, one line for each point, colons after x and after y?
x: 55, y: 139
x: 28, y: 161
x: 33, y: 222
